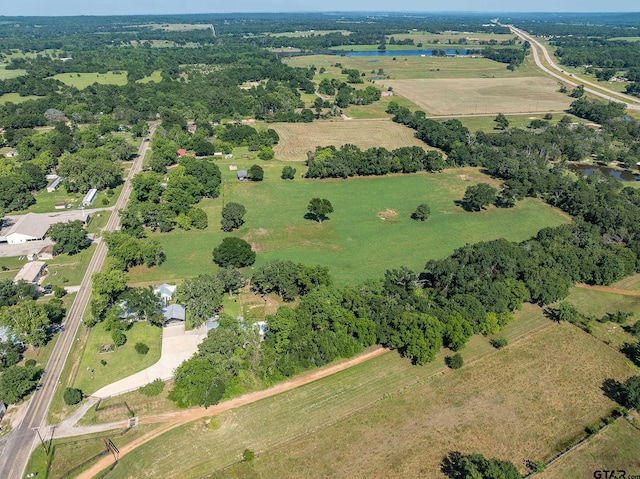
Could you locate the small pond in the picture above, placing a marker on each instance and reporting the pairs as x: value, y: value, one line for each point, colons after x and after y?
x: 617, y: 174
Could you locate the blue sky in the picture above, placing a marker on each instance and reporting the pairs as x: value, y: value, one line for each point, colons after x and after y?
x: 124, y: 7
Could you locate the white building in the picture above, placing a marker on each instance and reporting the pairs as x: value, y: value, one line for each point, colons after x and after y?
x: 34, y: 226
x: 89, y: 197
x: 31, y: 272
x: 165, y: 292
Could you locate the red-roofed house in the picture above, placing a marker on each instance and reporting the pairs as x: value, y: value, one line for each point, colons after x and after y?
x: 181, y: 152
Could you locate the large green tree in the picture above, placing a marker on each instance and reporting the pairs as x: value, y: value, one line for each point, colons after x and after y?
x: 234, y: 252
x: 201, y: 296
x: 70, y: 238
x: 27, y: 321
x: 232, y: 216
x: 18, y: 381
x: 478, y: 196
x: 319, y: 208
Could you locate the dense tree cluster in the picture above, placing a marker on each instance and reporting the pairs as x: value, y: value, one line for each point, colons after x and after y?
x: 161, y: 203
x: 349, y: 160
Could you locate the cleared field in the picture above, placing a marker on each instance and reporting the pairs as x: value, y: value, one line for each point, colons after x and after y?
x: 355, y: 243
x: 416, y: 67
x: 452, y: 38
x: 597, y: 304
x: 615, y: 448
x: 386, y: 418
x: 16, y: 98
x: 296, y: 139
x: 308, y: 33
x: 83, y: 80
x: 501, y: 406
x: 482, y: 95
x: 522, y: 120
x: 6, y: 74
x: 156, y: 77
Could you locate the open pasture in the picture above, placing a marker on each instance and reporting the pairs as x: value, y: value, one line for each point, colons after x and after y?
x: 296, y: 139
x: 16, y: 98
x: 83, y: 80
x: 355, y: 243
x: 386, y: 418
x: 615, y: 448
x: 308, y: 33
x: 7, y: 74
x: 416, y: 67
x: 516, y: 404
x: 482, y: 95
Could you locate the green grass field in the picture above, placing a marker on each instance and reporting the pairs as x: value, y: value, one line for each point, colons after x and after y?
x: 597, y: 304
x: 487, y: 123
x: 386, y: 418
x: 70, y: 456
x: 83, y: 80
x: 123, y: 362
x: 355, y: 243
x: 156, y: 77
x: 16, y: 98
x: 6, y: 74
x: 617, y: 447
x: 415, y: 67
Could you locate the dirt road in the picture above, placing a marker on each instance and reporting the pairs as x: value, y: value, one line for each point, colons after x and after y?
x: 608, y: 289
x: 175, y: 419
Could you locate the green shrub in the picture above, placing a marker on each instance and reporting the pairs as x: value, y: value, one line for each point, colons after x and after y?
x: 499, y: 343
x: 141, y: 348
x: 248, y: 455
x: 593, y: 427
x: 118, y: 337
x: 72, y: 396
x: 103, y: 362
x: 30, y: 363
x: 455, y: 361
x: 154, y: 388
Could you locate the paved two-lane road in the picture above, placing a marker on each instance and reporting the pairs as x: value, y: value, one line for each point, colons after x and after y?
x: 22, y: 440
x: 593, y: 88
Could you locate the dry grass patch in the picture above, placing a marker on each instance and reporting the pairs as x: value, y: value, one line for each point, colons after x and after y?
x: 528, y: 401
x: 615, y: 448
x: 388, y: 214
x: 296, y: 139
x: 481, y: 95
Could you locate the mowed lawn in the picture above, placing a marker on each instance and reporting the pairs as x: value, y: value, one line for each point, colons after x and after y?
x: 122, y: 362
x: 387, y: 418
x: 482, y: 95
x: 296, y: 139
x: 83, y: 80
x: 356, y: 243
x: 615, y: 448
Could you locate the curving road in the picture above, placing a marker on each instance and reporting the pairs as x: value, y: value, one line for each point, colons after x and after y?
x: 24, y: 438
x: 558, y: 73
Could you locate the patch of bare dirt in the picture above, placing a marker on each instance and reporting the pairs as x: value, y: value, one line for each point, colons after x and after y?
x: 388, y: 214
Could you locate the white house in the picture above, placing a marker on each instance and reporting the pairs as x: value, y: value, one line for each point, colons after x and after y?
x: 165, y: 292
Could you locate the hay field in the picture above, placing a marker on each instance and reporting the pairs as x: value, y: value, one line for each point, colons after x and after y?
x: 401, y: 67
x: 298, y: 138
x: 482, y: 95
x: 617, y: 448
x: 528, y: 401
x: 386, y: 418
